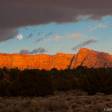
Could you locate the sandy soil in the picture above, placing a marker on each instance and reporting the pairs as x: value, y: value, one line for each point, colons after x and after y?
x: 71, y: 101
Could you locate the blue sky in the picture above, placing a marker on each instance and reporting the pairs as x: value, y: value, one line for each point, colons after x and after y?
x: 62, y: 37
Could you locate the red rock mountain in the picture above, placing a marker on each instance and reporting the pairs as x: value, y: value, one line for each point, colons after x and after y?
x: 90, y: 58
x: 85, y: 57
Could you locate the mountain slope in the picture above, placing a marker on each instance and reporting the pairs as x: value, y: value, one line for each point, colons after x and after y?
x: 85, y: 57
x: 90, y: 58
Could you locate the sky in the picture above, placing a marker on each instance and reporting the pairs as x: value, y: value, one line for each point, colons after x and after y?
x: 35, y: 26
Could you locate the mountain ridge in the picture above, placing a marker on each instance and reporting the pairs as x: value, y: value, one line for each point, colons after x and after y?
x: 85, y: 57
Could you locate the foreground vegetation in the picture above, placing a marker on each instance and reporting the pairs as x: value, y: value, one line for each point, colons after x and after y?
x: 69, y: 101
x: 14, y: 82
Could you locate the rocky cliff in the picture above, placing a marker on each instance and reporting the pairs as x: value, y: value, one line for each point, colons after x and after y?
x: 85, y: 57
x: 40, y: 61
x: 90, y: 58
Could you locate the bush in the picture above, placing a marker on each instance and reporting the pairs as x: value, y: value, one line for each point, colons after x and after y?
x: 14, y: 82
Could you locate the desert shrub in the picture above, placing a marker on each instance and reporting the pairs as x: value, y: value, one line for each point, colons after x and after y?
x: 95, y: 80
x: 34, y: 82
x: 31, y: 83
x: 4, y: 87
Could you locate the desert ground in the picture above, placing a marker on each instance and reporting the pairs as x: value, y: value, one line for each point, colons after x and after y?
x: 70, y: 101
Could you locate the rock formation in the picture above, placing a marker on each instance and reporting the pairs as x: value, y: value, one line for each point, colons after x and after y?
x: 85, y: 57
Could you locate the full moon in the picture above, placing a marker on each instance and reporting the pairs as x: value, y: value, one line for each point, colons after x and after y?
x: 19, y: 37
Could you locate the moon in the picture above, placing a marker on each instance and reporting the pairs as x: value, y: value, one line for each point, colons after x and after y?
x: 19, y: 37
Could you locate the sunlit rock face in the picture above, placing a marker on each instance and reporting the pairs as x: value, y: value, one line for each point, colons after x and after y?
x: 41, y: 61
x: 60, y: 61
x: 90, y: 58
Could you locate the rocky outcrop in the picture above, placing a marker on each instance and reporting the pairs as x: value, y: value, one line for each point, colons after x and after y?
x: 90, y: 58
x: 40, y: 61
x: 60, y: 61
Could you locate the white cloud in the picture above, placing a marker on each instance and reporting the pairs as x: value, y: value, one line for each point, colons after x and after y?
x: 100, y: 26
x: 57, y: 37
x: 83, y: 17
x: 76, y: 35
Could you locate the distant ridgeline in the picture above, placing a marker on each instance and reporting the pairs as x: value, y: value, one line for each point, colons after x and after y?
x: 60, y: 61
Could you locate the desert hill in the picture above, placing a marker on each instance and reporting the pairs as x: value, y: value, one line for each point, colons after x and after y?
x: 85, y: 57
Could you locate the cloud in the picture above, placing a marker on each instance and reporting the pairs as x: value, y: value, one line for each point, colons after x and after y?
x: 18, y: 13
x: 57, y: 37
x: 6, y: 34
x: 83, y: 17
x: 100, y: 26
x: 39, y: 50
x: 28, y: 12
x: 34, y: 51
x: 75, y: 35
x: 83, y: 44
x: 29, y: 36
x: 24, y: 51
x: 71, y: 36
x: 40, y: 39
x: 44, y: 36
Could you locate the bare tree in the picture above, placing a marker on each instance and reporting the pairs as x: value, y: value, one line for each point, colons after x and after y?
x: 74, y: 59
